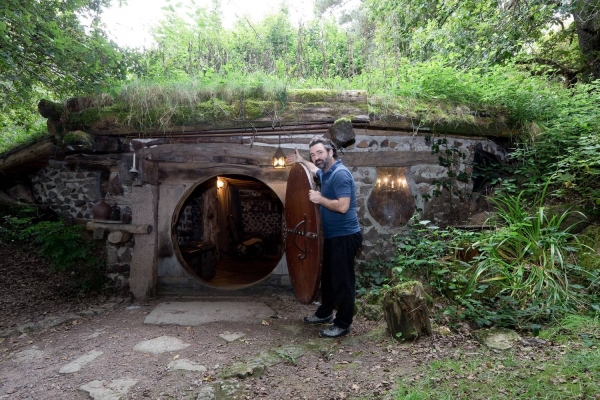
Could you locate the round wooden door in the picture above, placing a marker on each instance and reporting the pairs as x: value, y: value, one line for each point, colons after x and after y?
x: 303, y: 237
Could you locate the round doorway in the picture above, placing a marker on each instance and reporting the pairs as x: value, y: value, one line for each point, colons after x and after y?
x: 227, y: 231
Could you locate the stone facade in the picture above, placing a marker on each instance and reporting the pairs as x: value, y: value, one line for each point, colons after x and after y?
x: 69, y: 194
x: 387, y: 197
x: 72, y: 195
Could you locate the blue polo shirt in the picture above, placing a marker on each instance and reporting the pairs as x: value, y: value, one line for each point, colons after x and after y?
x: 334, y: 186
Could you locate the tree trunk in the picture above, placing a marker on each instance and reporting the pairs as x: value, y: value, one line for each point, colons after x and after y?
x: 587, y: 20
x: 405, y: 310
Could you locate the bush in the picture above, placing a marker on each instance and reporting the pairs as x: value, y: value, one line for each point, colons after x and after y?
x: 61, y: 244
x: 523, y: 271
x: 530, y: 257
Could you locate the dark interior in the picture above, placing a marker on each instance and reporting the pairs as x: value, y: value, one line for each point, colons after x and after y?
x: 228, y: 231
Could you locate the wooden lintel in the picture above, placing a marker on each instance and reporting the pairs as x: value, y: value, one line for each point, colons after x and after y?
x: 198, y: 172
x: 131, y: 228
x: 389, y: 158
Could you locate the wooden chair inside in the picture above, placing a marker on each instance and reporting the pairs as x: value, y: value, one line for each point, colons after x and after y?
x: 243, y: 246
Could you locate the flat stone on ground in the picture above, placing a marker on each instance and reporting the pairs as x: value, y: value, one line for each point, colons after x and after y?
x: 113, y: 390
x: 231, y: 337
x: 28, y: 355
x: 497, y: 338
x: 160, y: 344
x: 196, y: 313
x: 96, y: 334
x: 186, y: 365
x: 80, y: 362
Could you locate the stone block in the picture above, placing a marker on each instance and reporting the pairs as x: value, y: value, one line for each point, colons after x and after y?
x: 112, y: 256
x: 124, y: 254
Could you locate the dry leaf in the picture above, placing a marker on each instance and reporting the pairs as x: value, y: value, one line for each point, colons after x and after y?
x: 265, y: 322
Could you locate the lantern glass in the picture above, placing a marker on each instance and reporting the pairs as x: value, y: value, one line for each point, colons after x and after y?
x: 279, y: 158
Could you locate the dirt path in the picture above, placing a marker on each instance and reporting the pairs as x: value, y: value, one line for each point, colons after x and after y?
x: 365, y: 364
x: 278, y: 357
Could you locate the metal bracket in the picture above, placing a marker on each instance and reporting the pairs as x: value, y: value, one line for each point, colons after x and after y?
x: 297, y: 232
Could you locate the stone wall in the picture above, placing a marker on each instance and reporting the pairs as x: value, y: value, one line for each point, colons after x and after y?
x: 387, y: 197
x: 189, y: 226
x: 69, y: 194
x: 383, y: 215
x: 72, y: 195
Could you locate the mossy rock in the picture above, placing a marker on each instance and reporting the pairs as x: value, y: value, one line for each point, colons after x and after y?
x: 497, y: 338
x: 79, y: 140
x: 257, y: 365
x: 312, y: 95
x: 590, y: 256
x: 342, y: 121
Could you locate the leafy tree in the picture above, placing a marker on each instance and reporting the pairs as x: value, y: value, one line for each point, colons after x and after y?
x: 474, y: 33
x: 45, y: 48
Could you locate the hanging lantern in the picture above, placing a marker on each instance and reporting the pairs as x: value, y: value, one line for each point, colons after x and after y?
x: 279, y: 157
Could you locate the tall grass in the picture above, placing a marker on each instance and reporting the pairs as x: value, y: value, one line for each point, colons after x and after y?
x: 530, y: 256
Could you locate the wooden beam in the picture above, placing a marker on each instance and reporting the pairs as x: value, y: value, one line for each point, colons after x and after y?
x: 198, y: 172
x: 30, y: 153
x: 388, y: 158
x: 131, y: 228
x: 217, y: 155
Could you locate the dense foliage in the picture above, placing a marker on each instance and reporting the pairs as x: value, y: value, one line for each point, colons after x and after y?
x: 63, y: 245
x: 47, y: 52
x: 522, y: 271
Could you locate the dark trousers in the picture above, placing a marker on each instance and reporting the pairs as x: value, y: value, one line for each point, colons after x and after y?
x: 337, y: 278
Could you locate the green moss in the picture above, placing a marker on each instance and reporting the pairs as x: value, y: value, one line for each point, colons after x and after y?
x: 83, y: 119
x: 255, y: 109
x: 165, y: 107
x: 343, y: 120
x: 78, y: 138
x: 406, y: 288
x: 214, y: 110
x: 75, y: 137
x: 87, y: 118
x: 312, y: 95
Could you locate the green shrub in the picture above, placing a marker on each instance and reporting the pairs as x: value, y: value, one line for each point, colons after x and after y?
x: 529, y: 256
x: 61, y: 244
x: 523, y: 271
x: 433, y: 256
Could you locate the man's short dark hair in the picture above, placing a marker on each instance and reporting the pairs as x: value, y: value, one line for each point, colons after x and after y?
x: 328, y: 144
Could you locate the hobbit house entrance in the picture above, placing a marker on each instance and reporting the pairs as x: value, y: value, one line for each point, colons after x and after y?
x: 226, y: 231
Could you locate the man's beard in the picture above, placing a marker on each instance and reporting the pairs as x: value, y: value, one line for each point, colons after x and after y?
x: 323, y: 164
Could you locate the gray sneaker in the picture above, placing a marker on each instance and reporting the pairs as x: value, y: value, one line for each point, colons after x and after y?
x: 333, y: 331
x: 313, y: 319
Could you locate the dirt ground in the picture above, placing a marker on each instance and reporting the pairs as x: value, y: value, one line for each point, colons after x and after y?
x: 363, y: 365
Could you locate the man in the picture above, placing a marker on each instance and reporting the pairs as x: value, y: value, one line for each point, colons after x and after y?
x: 343, y: 237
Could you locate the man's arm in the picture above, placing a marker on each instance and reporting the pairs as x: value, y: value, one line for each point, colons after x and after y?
x: 297, y: 158
x: 341, y: 205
